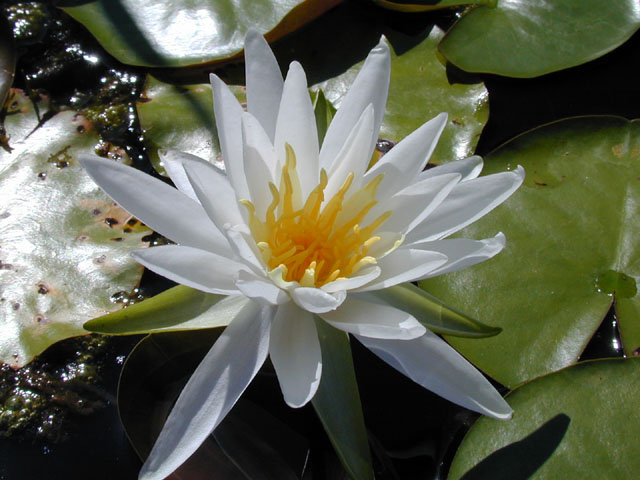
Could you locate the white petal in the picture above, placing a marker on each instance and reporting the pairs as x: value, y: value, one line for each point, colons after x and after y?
x: 228, y: 114
x: 199, y: 269
x: 414, y: 203
x: 369, y: 88
x: 469, y: 168
x: 215, y: 193
x: 315, y: 300
x: 172, y: 163
x: 374, y: 320
x: 260, y: 289
x: 388, y: 243
x: 405, y: 265
x: 463, y: 252
x: 354, y: 157
x: 297, y: 127
x: 432, y: 363
x: 260, y: 164
x: 295, y: 353
x: 163, y: 208
x: 245, y: 247
x: 264, y: 81
x: 361, y: 278
x: 467, y: 202
x: 212, y: 390
x: 404, y: 162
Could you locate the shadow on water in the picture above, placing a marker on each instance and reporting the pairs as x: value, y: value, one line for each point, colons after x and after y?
x: 520, y: 460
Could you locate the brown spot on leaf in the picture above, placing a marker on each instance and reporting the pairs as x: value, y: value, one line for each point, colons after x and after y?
x: 618, y: 150
x: 42, y: 288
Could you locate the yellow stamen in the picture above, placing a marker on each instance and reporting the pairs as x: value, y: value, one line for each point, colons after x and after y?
x: 315, y: 242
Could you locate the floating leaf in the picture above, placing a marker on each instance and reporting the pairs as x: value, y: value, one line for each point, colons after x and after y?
x: 420, y: 90
x: 181, y: 33
x: 576, y: 423
x: 527, y: 38
x: 573, y: 220
x: 344, y: 424
x: 64, y: 245
x: 180, y: 118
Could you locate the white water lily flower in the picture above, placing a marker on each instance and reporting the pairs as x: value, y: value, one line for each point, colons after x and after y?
x: 291, y: 227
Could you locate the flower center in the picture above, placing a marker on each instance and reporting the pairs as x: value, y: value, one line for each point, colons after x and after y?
x: 312, y: 244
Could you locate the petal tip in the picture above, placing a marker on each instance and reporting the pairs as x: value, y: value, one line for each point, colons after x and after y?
x: 519, y: 171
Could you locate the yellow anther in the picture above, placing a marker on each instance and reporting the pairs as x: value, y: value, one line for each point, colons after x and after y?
x: 310, y: 244
x: 309, y: 277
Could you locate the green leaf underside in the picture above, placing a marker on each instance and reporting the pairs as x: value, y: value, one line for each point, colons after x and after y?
x: 176, y: 309
x: 420, y: 90
x: 527, y: 38
x: 434, y: 314
x: 574, y: 219
x: 337, y: 403
x: 64, y: 244
x: 599, y: 404
x: 178, y: 34
x: 324, y: 111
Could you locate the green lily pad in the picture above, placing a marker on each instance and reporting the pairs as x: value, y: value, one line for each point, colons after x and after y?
x: 181, y: 33
x: 527, y: 38
x: 573, y: 220
x: 580, y: 422
x: 419, y: 91
x: 64, y: 245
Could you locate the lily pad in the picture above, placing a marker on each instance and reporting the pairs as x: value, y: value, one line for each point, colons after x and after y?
x: 572, y: 222
x: 181, y: 33
x: 420, y: 89
x: 528, y: 38
x: 64, y: 245
x: 180, y: 118
x: 576, y: 423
